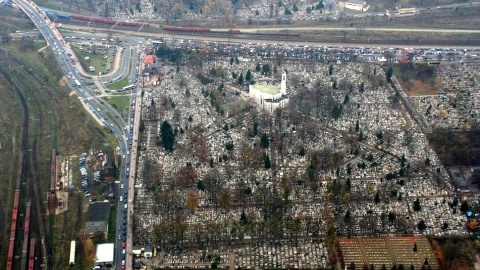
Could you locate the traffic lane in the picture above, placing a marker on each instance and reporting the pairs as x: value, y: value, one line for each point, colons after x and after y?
x: 116, y: 130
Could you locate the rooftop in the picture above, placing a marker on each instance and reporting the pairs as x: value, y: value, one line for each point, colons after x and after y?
x: 99, y: 211
x: 96, y: 226
x: 267, y: 88
x: 104, y: 253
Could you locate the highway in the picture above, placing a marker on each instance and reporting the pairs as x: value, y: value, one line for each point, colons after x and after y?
x: 99, y: 109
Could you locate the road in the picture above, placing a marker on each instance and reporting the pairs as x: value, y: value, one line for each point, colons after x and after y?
x: 97, y: 108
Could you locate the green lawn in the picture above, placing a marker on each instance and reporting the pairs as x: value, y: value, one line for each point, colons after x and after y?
x: 118, y: 85
x: 235, y: 107
x: 112, y: 224
x: 96, y: 60
x: 119, y: 102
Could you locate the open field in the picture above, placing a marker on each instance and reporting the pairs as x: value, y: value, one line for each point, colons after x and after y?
x: 236, y: 106
x: 96, y: 60
x: 119, y: 103
x: 418, y: 88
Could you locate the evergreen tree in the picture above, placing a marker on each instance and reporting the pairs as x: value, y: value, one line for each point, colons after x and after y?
x: 377, y: 198
x: 416, y: 205
x: 266, y: 161
x: 264, y: 141
x: 389, y: 74
x: 248, y: 76
x: 167, y: 136
x: 257, y: 67
x: 240, y: 79
x: 330, y: 69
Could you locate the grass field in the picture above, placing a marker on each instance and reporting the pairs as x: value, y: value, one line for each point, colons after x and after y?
x: 235, y: 107
x: 96, y: 60
x: 112, y: 224
x: 119, y: 103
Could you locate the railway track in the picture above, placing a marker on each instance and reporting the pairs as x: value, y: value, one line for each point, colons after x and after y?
x: 30, y: 171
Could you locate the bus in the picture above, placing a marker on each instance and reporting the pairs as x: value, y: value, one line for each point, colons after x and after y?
x: 129, y: 87
x: 78, y: 83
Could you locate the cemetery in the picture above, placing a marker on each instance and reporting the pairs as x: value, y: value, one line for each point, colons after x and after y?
x: 265, y: 188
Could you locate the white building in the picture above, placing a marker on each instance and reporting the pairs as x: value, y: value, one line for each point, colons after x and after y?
x: 401, y: 12
x: 357, y: 5
x: 104, y: 255
x: 269, y: 97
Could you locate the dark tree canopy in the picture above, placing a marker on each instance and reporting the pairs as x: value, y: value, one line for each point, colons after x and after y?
x: 167, y: 136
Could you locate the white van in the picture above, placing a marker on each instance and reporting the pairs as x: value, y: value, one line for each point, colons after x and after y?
x: 121, y: 198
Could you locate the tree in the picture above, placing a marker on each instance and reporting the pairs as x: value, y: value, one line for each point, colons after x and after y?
x: 348, y: 217
x: 361, y: 87
x: 391, y: 216
x: 186, y: 176
x: 377, y: 198
x: 213, y: 182
x: 389, y: 74
x: 266, y: 69
x: 177, y: 10
x: 98, y: 237
x: 224, y: 198
x: 248, y: 76
x: 415, y: 247
x: 302, y: 151
x: 336, y: 111
x: 192, y: 201
x: 257, y: 67
x: 264, y: 141
x: 464, y: 207
x: 421, y: 225
x: 240, y: 79
x: 167, y: 136
x: 330, y: 69
x: 231, y: 60
x: 266, y: 161
x: 416, y: 205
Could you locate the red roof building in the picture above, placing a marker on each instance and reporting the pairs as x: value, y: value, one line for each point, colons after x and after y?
x: 149, y: 59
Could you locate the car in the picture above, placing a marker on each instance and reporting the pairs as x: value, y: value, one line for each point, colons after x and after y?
x: 121, y: 186
x: 119, y: 237
x: 123, y: 244
x: 123, y: 267
x: 123, y: 262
